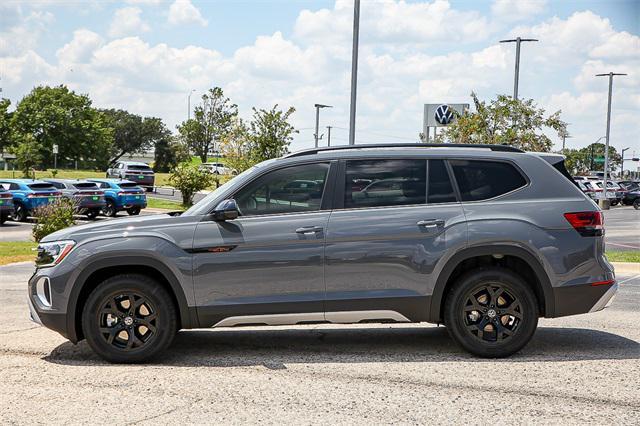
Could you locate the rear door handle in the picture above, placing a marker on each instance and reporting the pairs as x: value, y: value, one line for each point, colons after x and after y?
x: 309, y: 230
x: 431, y: 223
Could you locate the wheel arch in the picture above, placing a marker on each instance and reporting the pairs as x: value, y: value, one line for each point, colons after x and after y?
x: 101, y: 269
x: 447, y: 276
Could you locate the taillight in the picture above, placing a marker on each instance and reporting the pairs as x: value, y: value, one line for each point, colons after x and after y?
x: 588, y: 224
x: 121, y: 194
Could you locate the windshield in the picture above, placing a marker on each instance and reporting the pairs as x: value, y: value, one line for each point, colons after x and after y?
x: 202, y: 206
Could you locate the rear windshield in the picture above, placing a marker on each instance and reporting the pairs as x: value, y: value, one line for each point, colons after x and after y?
x: 128, y: 185
x: 85, y: 185
x: 137, y: 167
x: 41, y: 186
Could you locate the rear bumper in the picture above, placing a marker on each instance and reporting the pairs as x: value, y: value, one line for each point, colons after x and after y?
x: 583, y: 298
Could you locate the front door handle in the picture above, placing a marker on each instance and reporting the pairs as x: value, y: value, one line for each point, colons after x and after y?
x: 430, y: 223
x: 309, y: 230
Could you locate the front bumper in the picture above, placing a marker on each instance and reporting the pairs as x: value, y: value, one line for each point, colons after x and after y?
x: 43, y: 315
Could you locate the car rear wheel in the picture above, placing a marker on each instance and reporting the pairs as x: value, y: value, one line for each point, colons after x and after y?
x: 614, y: 202
x: 491, y: 312
x: 129, y: 319
x: 134, y: 211
x: 91, y: 214
x: 20, y: 213
x: 110, y: 209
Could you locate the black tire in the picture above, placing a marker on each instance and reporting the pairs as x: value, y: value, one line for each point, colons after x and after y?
x: 149, y: 188
x: 614, y: 202
x: 3, y: 218
x: 92, y: 214
x: 134, y: 211
x: 636, y: 204
x: 20, y: 213
x: 107, y: 314
x: 110, y: 209
x: 501, y: 339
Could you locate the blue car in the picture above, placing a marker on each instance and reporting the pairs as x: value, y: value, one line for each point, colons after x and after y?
x: 121, y: 195
x: 29, y: 194
x: 6, y: 205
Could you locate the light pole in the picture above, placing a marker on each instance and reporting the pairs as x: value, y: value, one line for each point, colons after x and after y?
x: 604, y: 203
x: 517, y: 41
x: 318, y: 107
x: 354, y: 72
x: 622, y: 162
x: 329, y: 136
x: 564, y: 137
x: 189, y: 104
x: 597, y: 140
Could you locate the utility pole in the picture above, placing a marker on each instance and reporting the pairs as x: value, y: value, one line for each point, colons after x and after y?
x: 189, y: 104
x: 564, y: 137
x: 329, y: 136
x: 354, y: 72
x: 622, y: 162
x: 604, y: 202
x: 517, y: 41
x: 318, y: 107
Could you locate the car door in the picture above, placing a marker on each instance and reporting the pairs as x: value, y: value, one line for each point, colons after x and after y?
x: 268, y: 262
x: 382, y: 248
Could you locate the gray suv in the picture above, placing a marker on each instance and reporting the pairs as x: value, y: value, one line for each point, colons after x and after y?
x: 483, y: 239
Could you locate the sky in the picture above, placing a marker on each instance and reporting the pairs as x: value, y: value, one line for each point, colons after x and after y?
x: 146, y: 56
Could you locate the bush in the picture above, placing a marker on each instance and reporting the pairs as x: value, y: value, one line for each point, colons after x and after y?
x: 52, y: 217
x: 189, y: 179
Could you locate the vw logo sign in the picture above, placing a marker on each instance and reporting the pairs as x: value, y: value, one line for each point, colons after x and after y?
x: 444, y: 115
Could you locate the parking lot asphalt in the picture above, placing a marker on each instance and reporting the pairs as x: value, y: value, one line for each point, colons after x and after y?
x: 576, y: 370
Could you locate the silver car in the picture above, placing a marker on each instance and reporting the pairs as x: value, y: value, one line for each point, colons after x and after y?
x: 483, y: 239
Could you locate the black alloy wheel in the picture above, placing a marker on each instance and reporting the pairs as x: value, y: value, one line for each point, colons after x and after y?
x: 20, y: 213
x: 129, y: 318
x: 491, y: 312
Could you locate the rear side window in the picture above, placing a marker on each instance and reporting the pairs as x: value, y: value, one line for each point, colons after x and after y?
x: 376, y: 183
x: 481, y: 180
x: 440, y: 187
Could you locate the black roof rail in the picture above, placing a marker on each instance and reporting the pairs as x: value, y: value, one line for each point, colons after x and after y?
x: 499, y: 148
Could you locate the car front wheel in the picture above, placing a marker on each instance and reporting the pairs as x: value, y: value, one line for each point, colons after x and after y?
x: 134, y: 211
x: 110, y: 209
x: 491, y: 312
x: 20, y: 213
x: 129, y: 319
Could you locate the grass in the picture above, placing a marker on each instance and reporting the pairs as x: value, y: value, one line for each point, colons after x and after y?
x: 16, y: 251
x: 624, y: 256
x: 159, y: 203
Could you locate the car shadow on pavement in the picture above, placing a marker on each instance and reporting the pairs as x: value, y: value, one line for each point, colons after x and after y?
x: 274, y: 348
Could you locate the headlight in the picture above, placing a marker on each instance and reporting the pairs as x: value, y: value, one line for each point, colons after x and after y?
x: 50, y: 254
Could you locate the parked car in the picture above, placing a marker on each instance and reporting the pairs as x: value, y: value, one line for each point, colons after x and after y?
x: 121, y: 195
x: 216, y: 168
x: 6, y: 205
x: 88, y: 198
x: 614, y: 193
x: 485, y: 240
x: 139, y: 173
x: 632, y: 193
x: 586, y: 187
x: 29, y: 194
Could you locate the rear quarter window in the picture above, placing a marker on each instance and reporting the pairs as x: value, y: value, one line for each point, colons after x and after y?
x: 481, y: 180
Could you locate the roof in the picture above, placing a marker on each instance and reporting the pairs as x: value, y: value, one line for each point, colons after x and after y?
x: 133, y: 163
x: 109, y: 180
x: 23, y: 180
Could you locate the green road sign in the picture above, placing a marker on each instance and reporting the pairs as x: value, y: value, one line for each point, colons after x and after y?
x: 598, y: 160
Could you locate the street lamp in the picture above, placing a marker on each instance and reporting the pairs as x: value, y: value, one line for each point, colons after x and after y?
x: 517, y: 41
x: 604, y: 204
x: 597, y: 140
x: 318, y: 107
x: 189, y: 104
x: 354, y: 73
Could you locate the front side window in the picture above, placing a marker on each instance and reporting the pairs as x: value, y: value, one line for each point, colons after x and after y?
x: 481, y: 180
x: 377, y: 183
x: 287, y: 190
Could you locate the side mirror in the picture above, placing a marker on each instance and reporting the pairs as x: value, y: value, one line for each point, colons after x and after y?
x: 226, y: 210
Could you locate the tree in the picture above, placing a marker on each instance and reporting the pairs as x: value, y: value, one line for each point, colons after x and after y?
x: 516, y: 122
x: 132, y: 133
x: 189, y: 179
x: 590, y: 158
x: 5, y: 124
x: 28, y: 154
x: 236, y: 147
x: 212, y: 120
x: 169, y: 152
x: 59, y: 116
x: 271, y: 133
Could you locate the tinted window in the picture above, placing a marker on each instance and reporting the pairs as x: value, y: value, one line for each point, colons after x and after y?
x: 40, y: 186
x: 85, y: 185
x: 288, y: 190
x: 127, y: 185
x: 481, y: 180
x: 137, y: 167
x: 440, y: 187
x: 374, y: 183
x: 58, y: 185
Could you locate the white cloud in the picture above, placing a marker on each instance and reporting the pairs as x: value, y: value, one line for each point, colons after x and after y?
x: 80, y: 49
x: 517, y: 10
x: 127, y: 21
x: 183, y: 12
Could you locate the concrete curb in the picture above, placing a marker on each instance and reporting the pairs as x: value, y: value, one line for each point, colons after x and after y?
x: 626, y: 267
